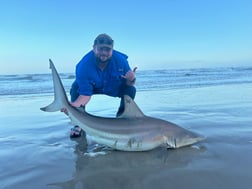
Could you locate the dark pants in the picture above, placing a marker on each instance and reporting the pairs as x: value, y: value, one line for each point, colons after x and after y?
x: 124, y: 90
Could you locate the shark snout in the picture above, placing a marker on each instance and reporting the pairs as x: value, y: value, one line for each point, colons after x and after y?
x: 189, y: 140
x: 184, y: 140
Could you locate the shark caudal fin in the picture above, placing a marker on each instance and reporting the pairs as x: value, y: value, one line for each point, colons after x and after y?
x: 60, y: 97
x: 131, y: 110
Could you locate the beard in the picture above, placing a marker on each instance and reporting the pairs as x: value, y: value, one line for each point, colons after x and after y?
x: 102, y: 59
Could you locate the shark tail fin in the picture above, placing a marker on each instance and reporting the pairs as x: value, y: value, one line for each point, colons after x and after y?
x: 60, y: 97
x: 53, y: 107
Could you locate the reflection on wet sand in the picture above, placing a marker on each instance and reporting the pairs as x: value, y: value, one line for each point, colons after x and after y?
x: 119, y: 169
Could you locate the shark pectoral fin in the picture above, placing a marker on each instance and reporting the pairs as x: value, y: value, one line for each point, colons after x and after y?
x: 131, y: 110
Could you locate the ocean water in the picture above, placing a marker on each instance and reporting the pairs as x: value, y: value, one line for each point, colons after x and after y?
x: 36, y: 151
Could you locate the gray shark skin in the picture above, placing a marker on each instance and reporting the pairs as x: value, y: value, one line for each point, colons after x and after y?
x: 132, y: 131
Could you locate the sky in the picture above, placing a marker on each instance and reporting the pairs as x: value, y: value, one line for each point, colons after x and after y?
x: 160, y: 34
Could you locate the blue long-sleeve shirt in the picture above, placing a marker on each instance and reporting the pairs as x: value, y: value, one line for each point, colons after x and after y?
x: 92, y: 80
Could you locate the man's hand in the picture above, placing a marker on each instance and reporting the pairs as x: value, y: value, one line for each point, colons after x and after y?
x: 130, y: 75
x: 82, y: 100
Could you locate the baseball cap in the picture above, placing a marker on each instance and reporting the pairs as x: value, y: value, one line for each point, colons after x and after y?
x: 104, y: 40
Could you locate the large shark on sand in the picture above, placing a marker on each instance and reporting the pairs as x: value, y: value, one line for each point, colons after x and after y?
x: 132, y: 131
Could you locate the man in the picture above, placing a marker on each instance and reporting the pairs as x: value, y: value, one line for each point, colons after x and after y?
x: 102, y: 71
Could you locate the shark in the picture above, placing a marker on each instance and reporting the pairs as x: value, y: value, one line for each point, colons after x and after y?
x: 132, y: 131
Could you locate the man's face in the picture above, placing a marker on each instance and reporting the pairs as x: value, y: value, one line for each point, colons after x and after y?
x: 103, y: 54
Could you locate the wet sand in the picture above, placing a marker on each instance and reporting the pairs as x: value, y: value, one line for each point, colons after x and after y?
x: 36, y: 151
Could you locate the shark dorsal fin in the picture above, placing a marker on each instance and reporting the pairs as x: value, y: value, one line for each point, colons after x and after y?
x: 131, y: 109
